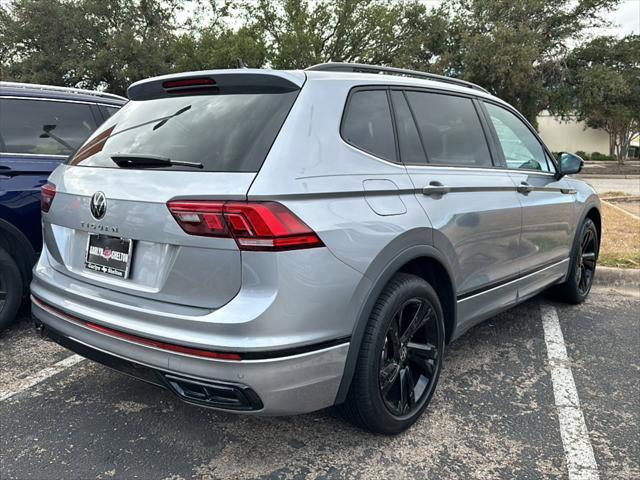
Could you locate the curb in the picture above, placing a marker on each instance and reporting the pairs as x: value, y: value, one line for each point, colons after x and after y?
x: 618, y: 277
x: 587, y: 176
x: 626, y: 198
x: 621, y: 210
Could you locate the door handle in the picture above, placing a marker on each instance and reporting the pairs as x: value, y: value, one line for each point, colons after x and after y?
x: 435, y: 188
x: 524, y: 188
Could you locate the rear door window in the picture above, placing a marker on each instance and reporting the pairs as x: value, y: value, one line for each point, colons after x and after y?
x: 223, y: 132
x: 43, y: 127
x: 450, y: 129
x: 367, y: 123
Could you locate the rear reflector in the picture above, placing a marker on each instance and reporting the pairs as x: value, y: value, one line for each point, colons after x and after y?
x: 47, y: 193
x: 263, y: 226
x: 196, y: 352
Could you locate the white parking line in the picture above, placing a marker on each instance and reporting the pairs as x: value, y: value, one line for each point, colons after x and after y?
x: 581, y: 463
x: 41, y: 376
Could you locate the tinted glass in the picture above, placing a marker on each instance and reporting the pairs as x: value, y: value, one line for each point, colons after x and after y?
x: 521, y: 148
x: 367, y: 123
x: 43, y: 127
x: 450, y: 129
x: 109, y: 111
x: 411, y: 150
x: 226, y: 133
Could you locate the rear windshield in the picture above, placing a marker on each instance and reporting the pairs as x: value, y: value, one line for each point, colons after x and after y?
x: 224, y: 133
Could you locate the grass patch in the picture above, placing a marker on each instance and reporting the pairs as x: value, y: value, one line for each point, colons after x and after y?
x: 620, y: 245
x: 614, y: 194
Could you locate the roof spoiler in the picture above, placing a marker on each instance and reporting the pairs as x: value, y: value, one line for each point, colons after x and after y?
x: 209, y: 82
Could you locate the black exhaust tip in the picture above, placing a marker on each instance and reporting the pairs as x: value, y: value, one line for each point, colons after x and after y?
x: 214, y: 394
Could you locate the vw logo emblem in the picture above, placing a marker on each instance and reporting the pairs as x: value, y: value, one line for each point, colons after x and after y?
x: 98, y: 205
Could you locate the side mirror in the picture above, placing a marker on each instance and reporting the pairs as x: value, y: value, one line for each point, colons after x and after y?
x: 570, y: 163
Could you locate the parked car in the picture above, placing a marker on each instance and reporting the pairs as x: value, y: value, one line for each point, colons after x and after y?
x: 40, y: 126
x: 277, y: 242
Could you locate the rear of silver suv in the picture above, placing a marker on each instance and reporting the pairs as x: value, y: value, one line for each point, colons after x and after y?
x: 238, y: 238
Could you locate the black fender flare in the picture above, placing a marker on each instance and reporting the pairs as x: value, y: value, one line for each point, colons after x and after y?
x: 380, y: 272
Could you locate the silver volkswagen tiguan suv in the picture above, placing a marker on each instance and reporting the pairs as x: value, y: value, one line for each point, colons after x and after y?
x: 278, y: 242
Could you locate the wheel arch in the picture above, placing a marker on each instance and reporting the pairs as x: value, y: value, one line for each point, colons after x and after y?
x: 422, y: 260
x: 593, y: 213
x: 19, y: 247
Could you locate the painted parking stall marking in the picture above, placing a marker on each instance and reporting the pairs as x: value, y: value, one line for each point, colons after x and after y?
x: 581, y: 462
x: 41, y: 376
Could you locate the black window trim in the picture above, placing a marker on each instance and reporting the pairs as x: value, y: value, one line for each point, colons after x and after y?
x: 495, y: 149
x: 473, y: 98
x: 521, y: 117
x: 45, y: 156
x: 345, y: 110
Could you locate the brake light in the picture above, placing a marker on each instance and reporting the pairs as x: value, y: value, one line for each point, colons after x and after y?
x: 189, y: 82
x: 190, y: 86
x: 47, y: 193
x: 263, y: 226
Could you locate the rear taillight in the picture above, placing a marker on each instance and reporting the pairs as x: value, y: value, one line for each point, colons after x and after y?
x: 262, y: 226
x: 46, y: 196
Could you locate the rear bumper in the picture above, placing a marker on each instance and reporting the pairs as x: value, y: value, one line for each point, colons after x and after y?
x: 287, y: 385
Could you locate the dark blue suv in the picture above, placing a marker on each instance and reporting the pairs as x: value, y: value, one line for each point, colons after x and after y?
x: 40, y: 126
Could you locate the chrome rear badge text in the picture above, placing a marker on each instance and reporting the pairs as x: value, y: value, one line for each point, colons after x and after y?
x: 99, y: 227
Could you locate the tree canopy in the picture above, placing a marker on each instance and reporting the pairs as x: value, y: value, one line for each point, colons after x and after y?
x: 603, y: 88
x: 532, y: 53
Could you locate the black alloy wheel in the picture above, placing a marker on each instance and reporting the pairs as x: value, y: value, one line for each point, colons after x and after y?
x: 586, y: 261
x: 410, y: 357
x: 399, y: 358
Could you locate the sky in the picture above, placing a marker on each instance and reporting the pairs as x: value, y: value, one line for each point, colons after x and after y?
x: 625, y: 18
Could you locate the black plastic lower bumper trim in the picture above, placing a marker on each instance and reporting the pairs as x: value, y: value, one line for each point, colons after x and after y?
x: 212, y: 394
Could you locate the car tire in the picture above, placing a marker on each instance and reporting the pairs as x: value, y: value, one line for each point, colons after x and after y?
x: 388, y: 349
x: 582, y: 267
x: 11, y: 289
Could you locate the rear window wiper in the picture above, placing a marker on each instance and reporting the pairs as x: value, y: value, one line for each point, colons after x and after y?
x: 125, y: 160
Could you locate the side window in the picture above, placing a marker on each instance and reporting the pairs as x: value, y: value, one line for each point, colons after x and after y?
x: 411, y: 150
x: 109, y: 111
x: 521, y: 148
x: 43, y: 127
x: 367, y: 123
x: 450, y: 129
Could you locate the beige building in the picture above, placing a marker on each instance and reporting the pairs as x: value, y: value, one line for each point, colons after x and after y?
x: 571, y: 136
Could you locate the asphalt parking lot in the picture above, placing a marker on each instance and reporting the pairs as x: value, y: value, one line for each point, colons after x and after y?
x: 494, y: 414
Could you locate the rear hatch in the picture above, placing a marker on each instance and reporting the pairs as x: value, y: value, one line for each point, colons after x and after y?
x: 188, y: 137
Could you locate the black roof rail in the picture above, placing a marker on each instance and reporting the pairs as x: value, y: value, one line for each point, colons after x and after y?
x: 364, y: 68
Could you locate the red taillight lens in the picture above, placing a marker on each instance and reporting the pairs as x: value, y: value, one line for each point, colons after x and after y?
x: 46, y: 196
x: 266, y: 226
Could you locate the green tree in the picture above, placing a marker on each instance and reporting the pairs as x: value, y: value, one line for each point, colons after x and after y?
x: 209, y: 41
x: 603, y: 88
x: 300, y: 33
x: 515, y: 48
x: 90, y: 43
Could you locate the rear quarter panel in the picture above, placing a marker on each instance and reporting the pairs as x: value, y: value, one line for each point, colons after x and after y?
x: 334, y: 187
